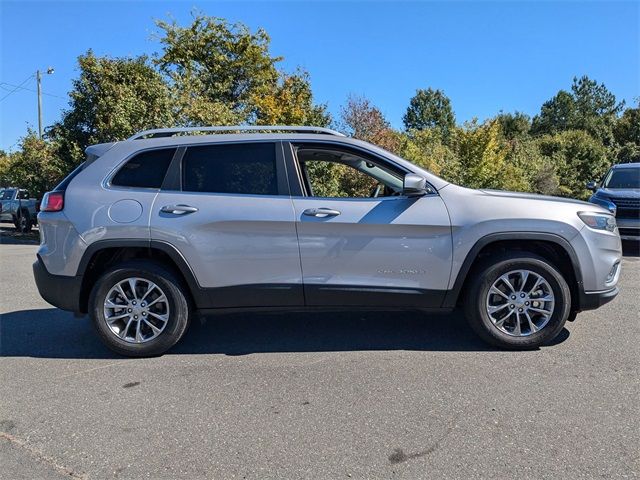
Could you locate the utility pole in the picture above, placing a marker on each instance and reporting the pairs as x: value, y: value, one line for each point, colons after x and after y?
x: 39, y: 81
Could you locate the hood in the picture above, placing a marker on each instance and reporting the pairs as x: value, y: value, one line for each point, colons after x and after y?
x: 619, y: 193
x: 533, y: 196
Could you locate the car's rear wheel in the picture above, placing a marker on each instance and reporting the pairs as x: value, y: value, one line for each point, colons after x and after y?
x: 139, y: 308
x: 517, y: 300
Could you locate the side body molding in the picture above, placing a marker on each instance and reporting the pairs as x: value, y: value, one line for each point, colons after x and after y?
x: 204, y: 300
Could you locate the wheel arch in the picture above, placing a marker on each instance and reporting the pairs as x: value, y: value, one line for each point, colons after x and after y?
x: 548, y: 245
x: 102, y: 254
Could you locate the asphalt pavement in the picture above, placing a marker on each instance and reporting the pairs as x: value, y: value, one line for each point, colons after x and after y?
x: 316, y: 395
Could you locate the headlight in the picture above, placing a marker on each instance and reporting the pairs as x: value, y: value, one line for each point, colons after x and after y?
x: 604, y: 202
x: 598, y: 221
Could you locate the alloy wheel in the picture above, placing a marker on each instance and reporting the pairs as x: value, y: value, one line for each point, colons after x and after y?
x: 136, y: 310
x: 520, y: 303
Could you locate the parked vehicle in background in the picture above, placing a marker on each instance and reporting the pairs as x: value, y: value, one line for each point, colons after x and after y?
x: 18, y: 208
x: 151, y: 229
x: 619, y: 192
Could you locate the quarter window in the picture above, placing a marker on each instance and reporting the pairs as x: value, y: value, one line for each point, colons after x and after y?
x: 248, y: 169
x: 145, y: 170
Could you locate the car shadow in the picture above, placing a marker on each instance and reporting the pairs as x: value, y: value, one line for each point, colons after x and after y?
x: 52, y: 333
x: 19, y: 238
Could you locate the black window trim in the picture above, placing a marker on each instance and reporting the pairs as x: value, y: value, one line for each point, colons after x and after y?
x: 173, y: 178
x: 107, y: 183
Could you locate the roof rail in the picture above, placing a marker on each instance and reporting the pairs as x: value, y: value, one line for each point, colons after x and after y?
x: 169, y: 132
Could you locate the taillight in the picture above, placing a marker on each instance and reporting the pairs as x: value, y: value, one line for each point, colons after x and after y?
x: 52, y: 202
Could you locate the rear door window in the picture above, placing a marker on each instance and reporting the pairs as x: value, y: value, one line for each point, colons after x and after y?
x: 248, y: 168
x: 145, y: 170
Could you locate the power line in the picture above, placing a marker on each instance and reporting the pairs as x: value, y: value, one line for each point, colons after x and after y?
x: 28, y: 90
x: 18, y: 86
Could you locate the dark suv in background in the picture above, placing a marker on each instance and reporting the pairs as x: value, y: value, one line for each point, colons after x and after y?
x: 619, y: 192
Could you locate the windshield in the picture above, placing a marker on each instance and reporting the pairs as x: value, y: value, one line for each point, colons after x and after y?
x: 6, y: 194
x: 623, y: 178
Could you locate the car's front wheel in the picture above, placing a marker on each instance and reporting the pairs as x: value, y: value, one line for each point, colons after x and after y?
x: 517, y: 300
x: 139, y: 309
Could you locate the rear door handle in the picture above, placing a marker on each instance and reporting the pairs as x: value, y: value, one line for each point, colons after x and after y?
x: 321, y: 212
x: 178, y: 209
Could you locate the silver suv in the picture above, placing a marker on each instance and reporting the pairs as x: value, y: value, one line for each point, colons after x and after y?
x: 152, y: 229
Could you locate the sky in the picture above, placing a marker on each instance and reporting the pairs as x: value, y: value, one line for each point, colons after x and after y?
x: 486, y: 56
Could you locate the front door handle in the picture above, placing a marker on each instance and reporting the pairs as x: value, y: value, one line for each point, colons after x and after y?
x: 321, y: 212
x: 178, y: 209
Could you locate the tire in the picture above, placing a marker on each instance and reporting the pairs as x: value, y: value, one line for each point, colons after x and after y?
x: 23, y: 222
x: 519, y: 331
x: 129, y: 340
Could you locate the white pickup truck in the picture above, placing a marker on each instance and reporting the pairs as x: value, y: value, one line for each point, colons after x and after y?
x: 16, y: 207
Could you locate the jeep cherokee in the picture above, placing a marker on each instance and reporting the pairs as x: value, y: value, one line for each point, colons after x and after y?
x: 150, y: 230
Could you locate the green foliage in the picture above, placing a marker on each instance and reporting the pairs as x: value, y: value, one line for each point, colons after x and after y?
x: 427, y: 149
x: 538, y: 171
x: 289, y: 102
x: 111, y: 99
x: 590, y: 107
x: 329, y: 179
x: 212, y: 72
x: 36, y: 166
x: 214, y: 69
x: 430, y: 109
x: 628, y: 153
x: 514, y: 125
x: 627, y: 128
x: 578, y: 158
x: 482, y: 157
x: 224, y: 74
x: 556, y: 115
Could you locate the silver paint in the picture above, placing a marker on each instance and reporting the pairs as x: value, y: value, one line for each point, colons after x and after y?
x: 235, y: 239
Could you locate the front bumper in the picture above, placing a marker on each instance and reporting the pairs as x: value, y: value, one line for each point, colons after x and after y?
x: 60, y: 291
x: 593, y: 300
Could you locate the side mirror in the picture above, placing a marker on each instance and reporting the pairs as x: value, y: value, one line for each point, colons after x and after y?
x: 414, y: 185
x: 592, y: 186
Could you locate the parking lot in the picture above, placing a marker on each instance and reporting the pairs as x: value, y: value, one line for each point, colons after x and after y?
x: 316, y: 395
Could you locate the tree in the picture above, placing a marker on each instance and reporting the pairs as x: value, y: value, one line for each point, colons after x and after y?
x: 426, y: 149
x: 590, y: 106
x: 578, y: 158
x: 538, y: 171
x: 628, y: 153
x: 514, y: 125
x: 290, y: 102
x: 430, y: 109
x: 111, y: 99
x: 556, y: 115
x: 360, y: 119
x: 627, y: 127
x: 35, y: 166
x: 482, y: 156
x: 215, y: 68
